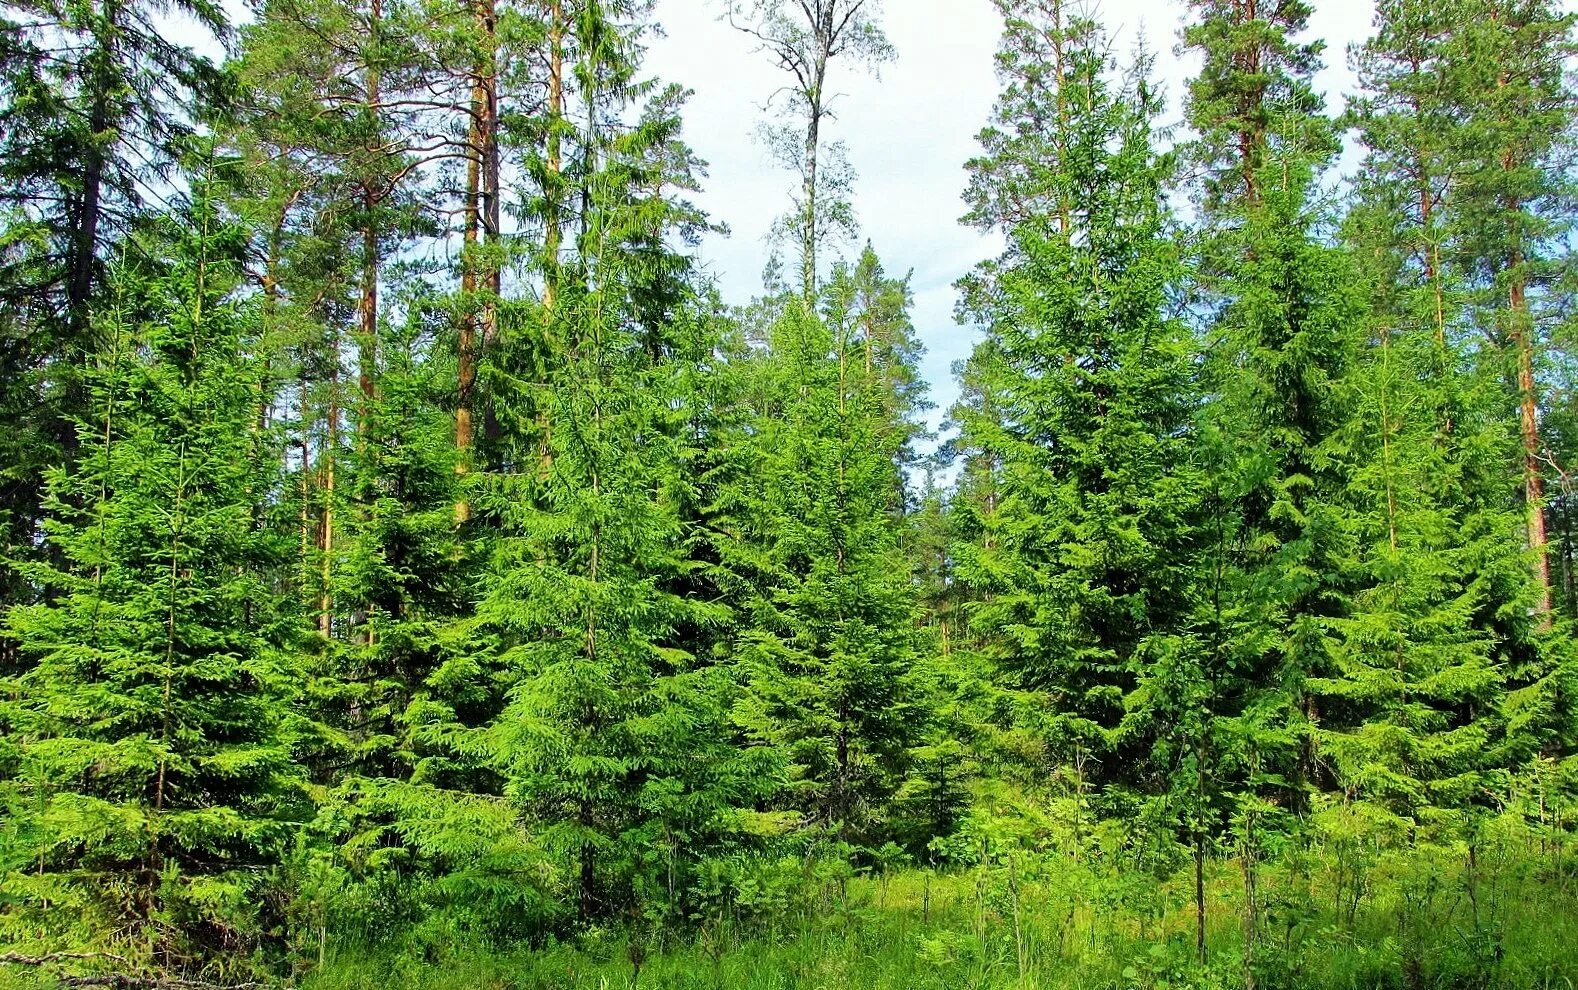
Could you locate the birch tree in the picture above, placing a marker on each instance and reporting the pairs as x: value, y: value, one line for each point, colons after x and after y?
x: 805, y: 39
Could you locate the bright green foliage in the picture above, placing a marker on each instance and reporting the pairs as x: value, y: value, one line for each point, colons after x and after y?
x: 979, y: 421
x: 889, y: 352
x: 829, y: 632
x: 1441, y: 588
x: 612, y: 740
x: 943, y: 764
x: 1280, y: 344
x: 150, y: 783
x: 398, y: 562
x: 1085, y: 576
x: 95, y: 103
x: 1440, y: 598
x: 410, y: 557
x: 395, y: 800
x: 1508, y: 219
x: 910, y: 929
x: 1280, y: 351
x: 1281, y: 338
x: 339, y: 158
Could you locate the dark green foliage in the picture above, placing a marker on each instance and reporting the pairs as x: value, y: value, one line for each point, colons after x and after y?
x: 97, y: 107
x: 1252, y: 99
x: 94, y: 97
x: 1280, y: 352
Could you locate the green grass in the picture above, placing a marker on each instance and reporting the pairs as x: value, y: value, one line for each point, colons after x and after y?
x: 1330, y: 918
x: 1413, y: 928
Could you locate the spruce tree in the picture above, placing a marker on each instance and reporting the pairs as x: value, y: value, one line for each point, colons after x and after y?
x: 828, y: 630
x: 943, y: 763
x: 152, y: 788
x: 890, y: 352
x: 1440, y: 603
x: 1095, y: 389
x: 98, y: 104
x: 978, y: 423
x: 610, y: 738
x: 1283, y: 322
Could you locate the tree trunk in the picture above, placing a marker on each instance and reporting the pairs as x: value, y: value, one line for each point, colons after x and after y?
x: 83, y: 264
x: 372, y: 194
x: 1523, y: 340
x: 553, y: 221
x: 1529, y: 415
x: 368, y: 342
x: 466, y: 377
x: 304, y: 449
x: 1251, y: 140
x: 1251, y: 909
x: 326, y: 529
x: 823, y: 29
x: 1199, y: 856
x: 808, y: 193
x: 493, y: 270
x: 587, y: 903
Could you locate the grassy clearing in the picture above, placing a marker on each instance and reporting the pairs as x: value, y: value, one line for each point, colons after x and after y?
x: 1412, y: 924
x: 1329, y: 917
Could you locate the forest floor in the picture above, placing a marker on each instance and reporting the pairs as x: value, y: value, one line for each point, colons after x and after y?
x: 1408, y: 927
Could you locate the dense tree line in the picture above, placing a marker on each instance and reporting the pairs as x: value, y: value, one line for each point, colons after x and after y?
x: 403, y: 541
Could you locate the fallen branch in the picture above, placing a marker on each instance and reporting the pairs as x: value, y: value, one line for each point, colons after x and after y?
x: 17, y: 959
x: 117, y: 981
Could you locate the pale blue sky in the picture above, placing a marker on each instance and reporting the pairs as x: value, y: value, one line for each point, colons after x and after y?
x: 909, y: 134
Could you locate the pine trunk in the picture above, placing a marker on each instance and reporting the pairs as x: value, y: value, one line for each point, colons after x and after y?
x: 466, y: 375
x: 553, y: 220
x: 1529, y: 416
